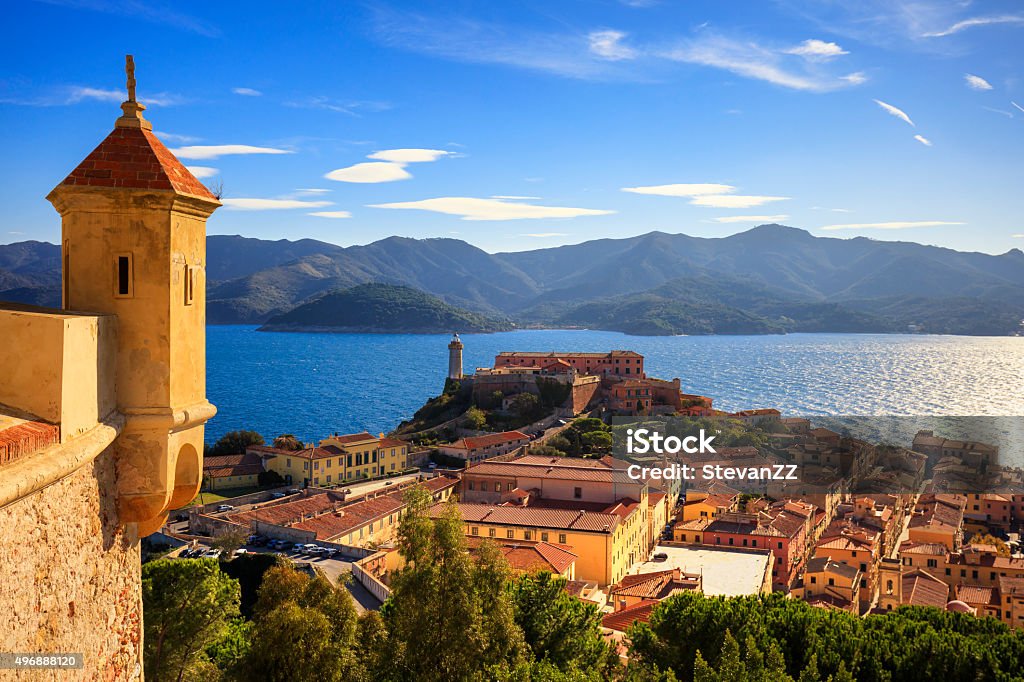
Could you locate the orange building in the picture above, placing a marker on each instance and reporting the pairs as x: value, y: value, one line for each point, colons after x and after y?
x: 616, y: 362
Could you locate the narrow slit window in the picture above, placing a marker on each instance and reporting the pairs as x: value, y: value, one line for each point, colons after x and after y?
x: 124, y: 275
x: 190, y: 279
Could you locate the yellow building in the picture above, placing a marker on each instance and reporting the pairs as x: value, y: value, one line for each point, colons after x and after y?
x: 225, y: 472
x: 709, y: 507
x: 606, y: 544
x: 103, y: 403
x: 830, y: 584
x: 338, y: 460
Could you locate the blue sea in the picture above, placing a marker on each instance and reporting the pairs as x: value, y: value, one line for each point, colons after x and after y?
x: 312, y: 385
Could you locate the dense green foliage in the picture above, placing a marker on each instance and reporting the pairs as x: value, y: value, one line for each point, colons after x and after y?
x: 187, y: 606
x: 234, y: 443
x: 584, y: 437
x: 907, y: 644
x: 383, y: 308
x: 458, y: 616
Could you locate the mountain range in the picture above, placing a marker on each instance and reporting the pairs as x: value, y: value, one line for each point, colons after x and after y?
x: 769, y: 279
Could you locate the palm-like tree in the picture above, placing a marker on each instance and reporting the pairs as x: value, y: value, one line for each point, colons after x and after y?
x: 287, y: 441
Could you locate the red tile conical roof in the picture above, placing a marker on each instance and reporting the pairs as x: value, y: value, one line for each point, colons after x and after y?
x: 134, y: 158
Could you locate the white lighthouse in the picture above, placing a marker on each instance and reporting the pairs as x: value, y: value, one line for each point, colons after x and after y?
x: 455, y: 358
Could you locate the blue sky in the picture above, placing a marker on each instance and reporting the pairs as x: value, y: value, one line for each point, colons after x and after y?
x: 519, y: 125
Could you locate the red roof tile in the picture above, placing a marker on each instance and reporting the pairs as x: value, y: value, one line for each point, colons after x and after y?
x: 134, y: 158
x: 621, y: 620
x: 491, y: 439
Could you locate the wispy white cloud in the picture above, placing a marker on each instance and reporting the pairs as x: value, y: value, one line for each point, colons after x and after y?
x: 817, y: 50
x: 389, y: 166
x: 202, y: 171
x: 1015, y: 236
x: 977, y: 82
x: 311, y: 191
x: 1004, y: 112
x: 471, y: 208
x: 894, y: 111
x: 156, y: 12
x: 214, y: 151
x: 514, y: 197
x: 455, y: 36
x: 752, y: 219
x: 544, y: 235
x: 608, y: 45
x: 682, y: 189
x: 409, y: 155
x: 351, y: 107
x: 923, y: 140
x: 254, y: 204
x: 370, y: 172
x: 974, y: 22
x: 331, y: 214
x: 779, y: 66
x: 707, y: 194
x: 733, y: 200
x: 1019, y: 107
x: 246, y: 92
x: 77, y: 93
x: 895, y: 225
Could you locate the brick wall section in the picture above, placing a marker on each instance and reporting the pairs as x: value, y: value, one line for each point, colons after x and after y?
x: 136, y: 159
x: 25, y: 438
x: 71, y: 578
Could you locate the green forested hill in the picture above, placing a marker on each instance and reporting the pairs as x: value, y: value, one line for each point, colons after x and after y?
x: 383, y: 308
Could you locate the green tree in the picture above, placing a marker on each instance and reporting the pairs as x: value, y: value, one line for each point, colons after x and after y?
x: 525, y: 405
x: 235, y: 442
x: 475, y: 419
x: 557, y: 627
x: 187, y: 606
x: 305, y: 629
x: 597, y: 441
x: 448, y: 617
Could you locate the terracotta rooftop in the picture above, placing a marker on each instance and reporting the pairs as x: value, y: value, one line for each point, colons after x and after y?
x: 976, y: 594
x: 352, y: 517
x: 553, y: 354
x: 219, y: 466
x: 490, y: 440
x: 393, y: 443
x: 824, y: 564
x: 923, y: 589
x: 134, y: 158
x: 531, y: 556
x: 536, y: 517
x: 564, y: 469
x: 658, y: 585
x: 621, y: 620
x: 353, y: 438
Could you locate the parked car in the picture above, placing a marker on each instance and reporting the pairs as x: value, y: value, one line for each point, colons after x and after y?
x: 660, y: 556
x: 225, y: 508
x: 389, y: 483
x: 294, y: 491
x: 240, y: 551
x: 276, y: 496
x: 330, y: 552
x: 211, y: 554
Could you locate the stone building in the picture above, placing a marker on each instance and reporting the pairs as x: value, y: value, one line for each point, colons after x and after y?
x: 103, y: 403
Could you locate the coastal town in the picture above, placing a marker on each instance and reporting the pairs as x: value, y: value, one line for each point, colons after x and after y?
x: 865, y: 529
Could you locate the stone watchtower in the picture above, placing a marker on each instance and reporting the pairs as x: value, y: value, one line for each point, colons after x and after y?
x: 134, y: 246
x: 455, y: 358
